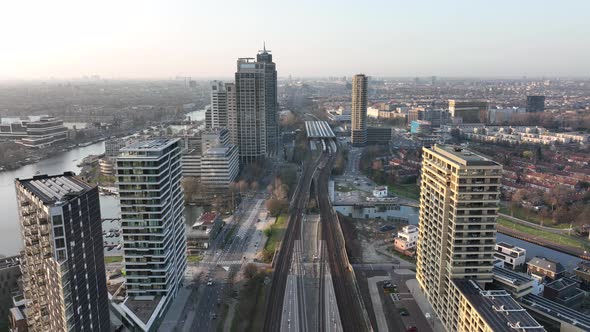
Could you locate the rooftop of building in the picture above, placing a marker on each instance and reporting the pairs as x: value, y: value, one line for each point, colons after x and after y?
x: 17, y: 314
x: 410, y: 228
x: 318, y: 129
x: 144, y: 307
x: 546, y: 264
x: 208, y: 218
x: 463, y: 156
x: 218, y: 150
x: 497, y: 308
x: 8, y: 262
x: 31, y: 118
x: 150, y: 145
x: 562, y: 283
x: 510, y: 246
x: 53, y: 188
x: 583, y: 266
x: 505, y: 245
x: 557, y: 311
x: 467, y: 101
x: 510, y: 276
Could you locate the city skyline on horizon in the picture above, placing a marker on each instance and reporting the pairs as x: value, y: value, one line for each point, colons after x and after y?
x: 66, y: 39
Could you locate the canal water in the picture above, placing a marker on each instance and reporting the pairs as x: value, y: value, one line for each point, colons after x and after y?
x: 532, y: 250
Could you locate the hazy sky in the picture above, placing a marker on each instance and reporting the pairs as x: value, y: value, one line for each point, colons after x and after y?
x: 203, y: 38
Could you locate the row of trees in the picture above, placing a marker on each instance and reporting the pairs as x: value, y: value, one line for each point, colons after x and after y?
x: 550, y: 120
x: 560, y: 205
x: 11, y: 153
x: 341, y: 161
x: 280, y: 189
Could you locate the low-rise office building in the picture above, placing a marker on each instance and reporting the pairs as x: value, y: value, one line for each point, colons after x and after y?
x: 215, y: 161
x: 219, y: 166
x: 191, y: 164
x: 418, y: 127
x: 106, y: 166
x: 554, y: 316
x: 517, y: 284
x: 34, y: 131
x: 113, y: 146
x: 468, y: 111
x: 582, y: 271
x: 379, y: 135
x: 565, y: 291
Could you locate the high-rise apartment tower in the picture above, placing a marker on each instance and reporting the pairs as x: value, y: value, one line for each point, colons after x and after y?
x: 154, y: 238
x: 63, y: 268
x: 218, y: 110
x: 535, y: 104
x: 459, y: 197
x: 257, y: 107
x: 358, y: 128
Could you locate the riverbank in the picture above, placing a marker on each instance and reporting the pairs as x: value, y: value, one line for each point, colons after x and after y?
x: 553, y: 241
x: 33, y: 156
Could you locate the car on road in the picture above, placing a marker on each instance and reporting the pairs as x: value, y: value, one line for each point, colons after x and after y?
x: 412, y: 329
x: 386, y: 228
x: 210, y: 282
x: 403, y: 312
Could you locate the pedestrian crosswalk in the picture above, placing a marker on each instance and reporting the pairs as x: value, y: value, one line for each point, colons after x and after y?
x: 223, y: 262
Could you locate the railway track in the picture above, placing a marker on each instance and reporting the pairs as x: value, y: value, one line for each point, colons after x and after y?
x: 353, y: 314
x: 351, y: 308
x: 274, y: 307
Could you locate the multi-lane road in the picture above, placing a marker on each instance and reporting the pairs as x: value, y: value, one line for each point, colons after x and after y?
x: 224, y: 257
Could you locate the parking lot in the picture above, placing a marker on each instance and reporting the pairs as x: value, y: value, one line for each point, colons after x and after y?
x: 112, y: 239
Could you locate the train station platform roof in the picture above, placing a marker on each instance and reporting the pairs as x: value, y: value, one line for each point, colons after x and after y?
x: 318, y: 129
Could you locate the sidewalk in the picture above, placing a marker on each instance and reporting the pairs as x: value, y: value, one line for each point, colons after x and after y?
x: 176, y: 313
x: 377, y: 304
x: 424, y: 305
x: 562, y: 231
